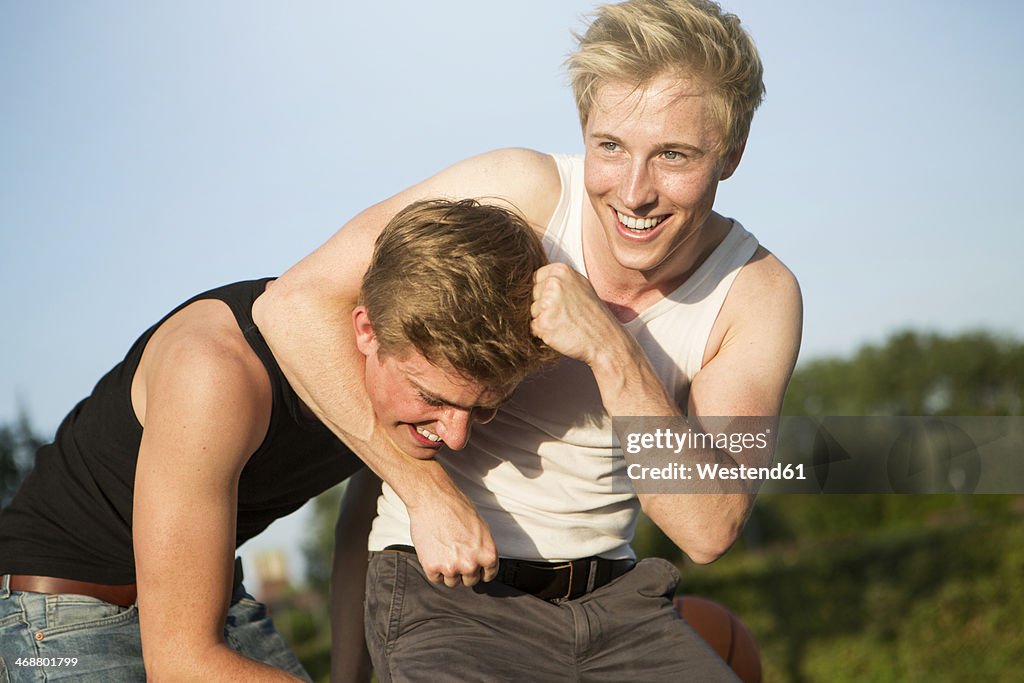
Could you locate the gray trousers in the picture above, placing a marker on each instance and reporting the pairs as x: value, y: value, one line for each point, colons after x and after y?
x: 627, y: 630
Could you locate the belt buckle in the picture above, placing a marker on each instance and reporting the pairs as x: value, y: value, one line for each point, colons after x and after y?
x: 591, y: 566
x: 568, y: 590
x: 556, y: 567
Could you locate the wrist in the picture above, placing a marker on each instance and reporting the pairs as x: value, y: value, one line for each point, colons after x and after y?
x: 627, y: 381
x: 418, y: 483
x: 613, y: 358
x: 429, y: 486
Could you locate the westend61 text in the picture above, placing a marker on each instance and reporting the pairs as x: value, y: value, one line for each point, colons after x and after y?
x: 716, y: 472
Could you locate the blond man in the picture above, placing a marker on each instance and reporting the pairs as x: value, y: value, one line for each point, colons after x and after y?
x: 116, y: 553
x: 660, y: 306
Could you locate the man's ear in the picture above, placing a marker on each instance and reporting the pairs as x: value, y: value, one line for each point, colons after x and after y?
x: 732, y: 160
x: 366, y: 338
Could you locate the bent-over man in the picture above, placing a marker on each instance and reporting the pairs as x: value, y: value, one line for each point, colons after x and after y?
x: 118, y: 549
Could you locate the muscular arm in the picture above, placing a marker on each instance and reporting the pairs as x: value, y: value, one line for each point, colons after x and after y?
x: 305, y: 318
x: 746, y: 368
x: 204, y: 406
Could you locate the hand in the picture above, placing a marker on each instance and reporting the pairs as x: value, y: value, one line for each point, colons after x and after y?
x: 567, y: 314
x: 452, y: 542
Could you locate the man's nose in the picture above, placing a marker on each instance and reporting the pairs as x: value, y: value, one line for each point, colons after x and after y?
x: 454, y: 428
x: 637, y: 189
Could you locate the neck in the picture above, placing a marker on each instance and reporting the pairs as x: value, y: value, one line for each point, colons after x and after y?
x: 626, y: 291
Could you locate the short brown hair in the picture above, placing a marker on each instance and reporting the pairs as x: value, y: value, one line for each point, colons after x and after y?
x: 640, y: 40
x: 454, y: 279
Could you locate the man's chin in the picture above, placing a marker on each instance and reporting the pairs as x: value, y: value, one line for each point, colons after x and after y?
x: 422, y: 453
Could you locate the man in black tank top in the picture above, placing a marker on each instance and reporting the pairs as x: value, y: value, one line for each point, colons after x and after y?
x: 116, y: 553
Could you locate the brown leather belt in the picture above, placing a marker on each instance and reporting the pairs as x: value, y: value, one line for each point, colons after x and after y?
x: 123, y: 595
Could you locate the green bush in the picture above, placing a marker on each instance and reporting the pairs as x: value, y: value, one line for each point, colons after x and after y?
x: 939, y: 604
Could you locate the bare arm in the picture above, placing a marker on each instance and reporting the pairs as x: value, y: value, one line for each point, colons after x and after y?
x: 350, y: 660
x: 305, y: 318
x: 745, y: 373
x: 205, y: 408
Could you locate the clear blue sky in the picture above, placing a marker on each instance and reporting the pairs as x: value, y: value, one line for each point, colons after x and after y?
x: 152, y: 150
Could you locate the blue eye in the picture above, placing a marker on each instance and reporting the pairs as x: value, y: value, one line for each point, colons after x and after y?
x: 671, y: 155
x: 609, y: 146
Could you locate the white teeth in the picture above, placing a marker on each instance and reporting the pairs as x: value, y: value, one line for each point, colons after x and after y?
x: 638, y: 224
x: 429, y: 435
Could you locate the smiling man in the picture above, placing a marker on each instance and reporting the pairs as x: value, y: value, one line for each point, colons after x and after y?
x: 661, y: 307
x: 116, y: 553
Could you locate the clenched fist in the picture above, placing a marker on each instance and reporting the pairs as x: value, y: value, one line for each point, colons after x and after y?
x: 568, y: 315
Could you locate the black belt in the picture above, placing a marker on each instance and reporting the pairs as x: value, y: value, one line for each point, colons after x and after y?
x: 555, y: 580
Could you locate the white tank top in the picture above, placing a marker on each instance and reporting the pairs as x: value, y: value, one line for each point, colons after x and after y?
x: 547, y: 474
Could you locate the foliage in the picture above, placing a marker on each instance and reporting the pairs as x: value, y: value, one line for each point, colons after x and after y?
x: 303, y: 618
x: 18, y: 444
x: 930, y: 604
x: 319, y: 543
x: 914, y: 374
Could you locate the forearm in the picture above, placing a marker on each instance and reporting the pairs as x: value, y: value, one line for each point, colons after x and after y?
x: 628, y: 384
x: 214, y: 663
x: 704, y: 525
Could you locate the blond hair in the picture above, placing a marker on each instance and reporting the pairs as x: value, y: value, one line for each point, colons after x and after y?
x: 454, y: 280
x: 639, y: 40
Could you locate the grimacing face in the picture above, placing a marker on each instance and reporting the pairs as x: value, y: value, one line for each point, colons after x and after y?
x: 652, y: 169
x: 421, y: 406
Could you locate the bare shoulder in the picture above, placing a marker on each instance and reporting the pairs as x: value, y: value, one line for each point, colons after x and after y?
x: 761, y: 319
x: 765, y: 294
x: 524, y: 179
x: 516, y: 160
x: 199, y: 360
x: 766, y: 279
x: 764, y: 302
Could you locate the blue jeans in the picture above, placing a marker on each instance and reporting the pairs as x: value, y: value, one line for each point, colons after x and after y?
x: 78, y: 638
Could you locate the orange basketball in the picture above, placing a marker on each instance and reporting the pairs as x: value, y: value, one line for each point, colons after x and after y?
x: 725, y: 633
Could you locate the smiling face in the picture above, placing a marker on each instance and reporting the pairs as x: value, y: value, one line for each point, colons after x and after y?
x: 421, y: 406
x: 653, y: 163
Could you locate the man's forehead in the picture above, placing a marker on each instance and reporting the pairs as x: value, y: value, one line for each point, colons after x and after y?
x: 447, y: 385
x: 659, y: 88
x: 674, y: 101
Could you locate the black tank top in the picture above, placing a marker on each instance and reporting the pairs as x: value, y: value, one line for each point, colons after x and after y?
x: 72, y: 517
